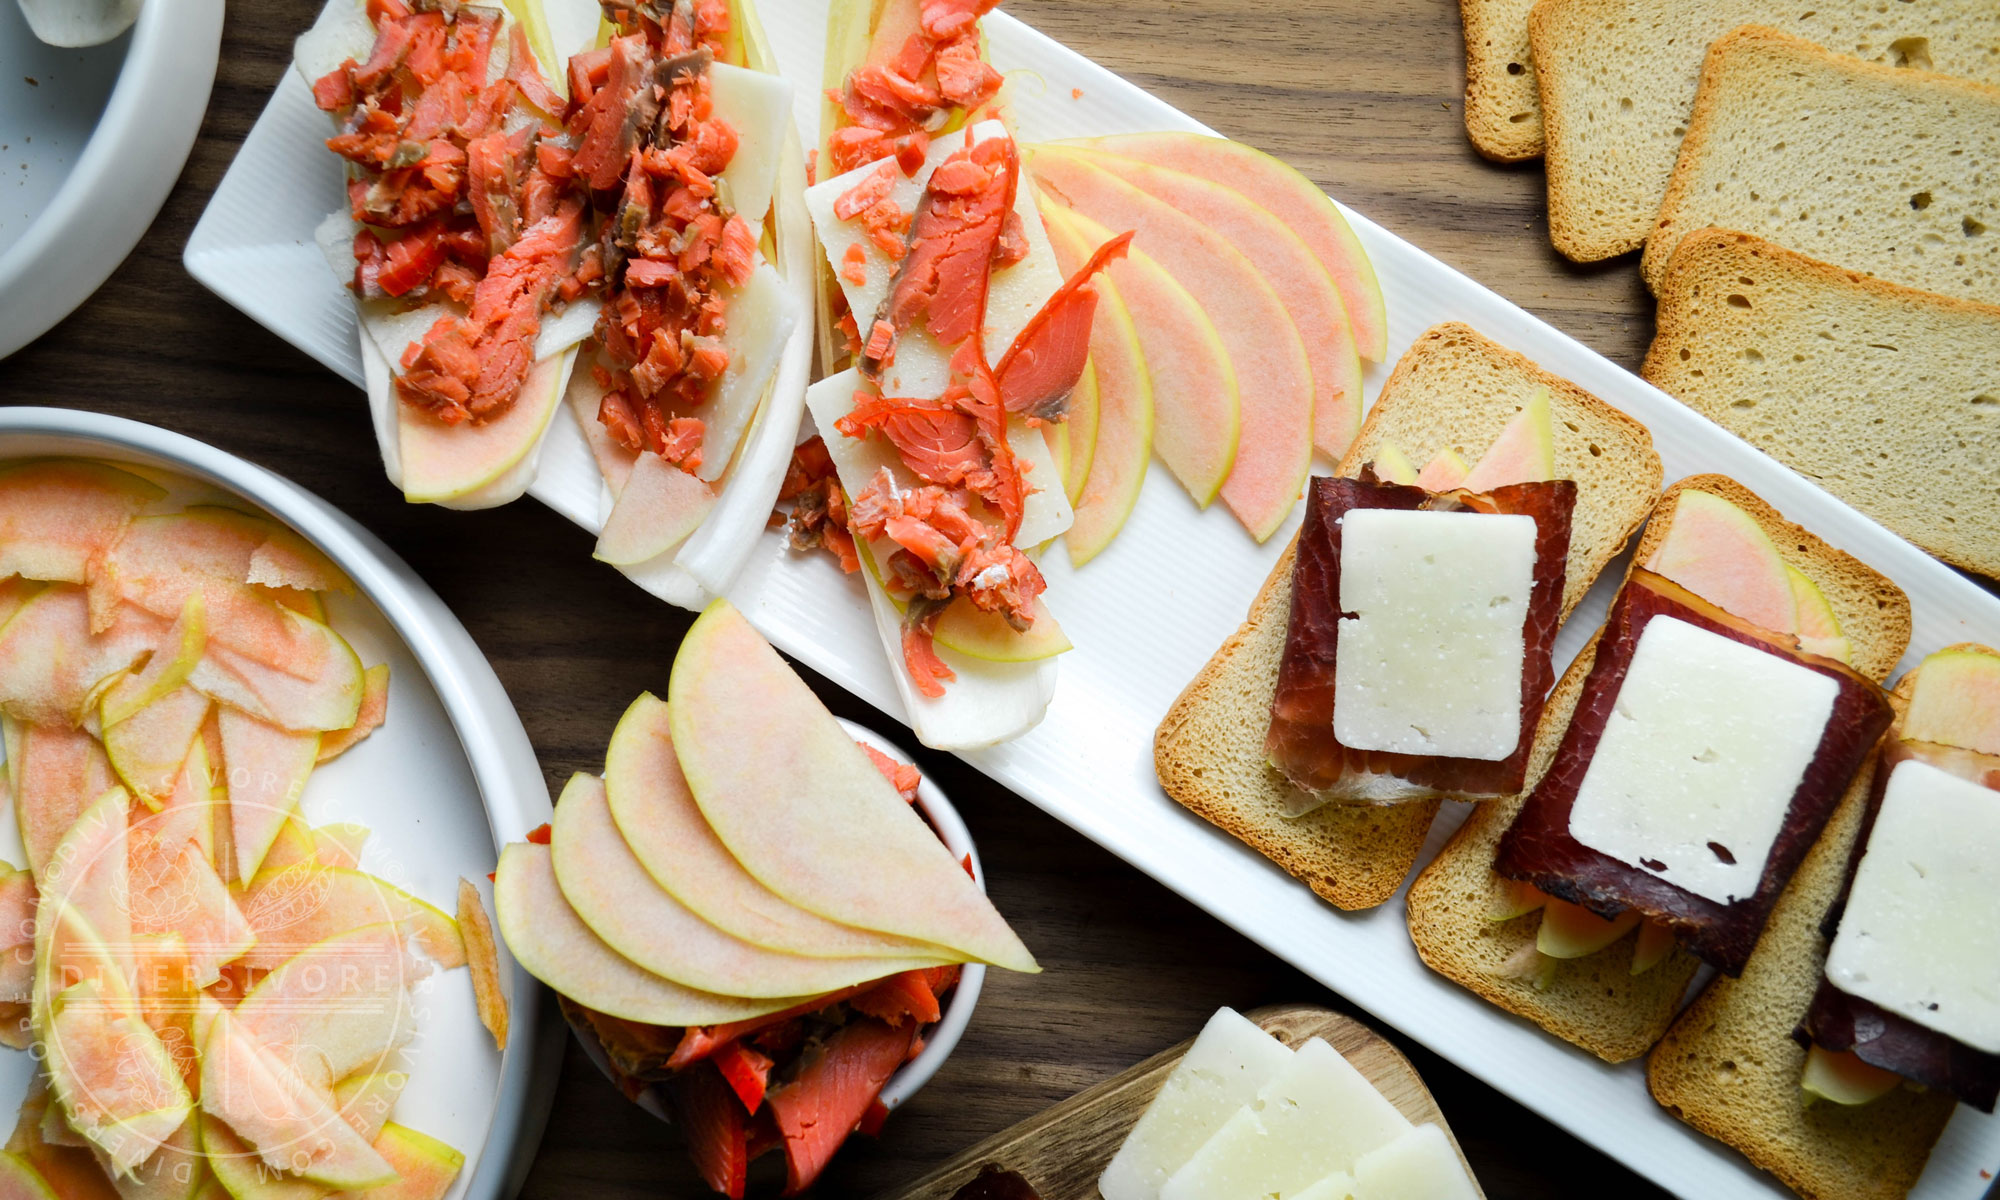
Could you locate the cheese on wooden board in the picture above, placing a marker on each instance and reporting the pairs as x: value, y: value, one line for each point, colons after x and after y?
x: 1420, y: 1165
x: 1431, y: 660
x: 1220, y: 1073
x: 1921, y: 932
x: 1705, y: 745
x: 1313, y: 1119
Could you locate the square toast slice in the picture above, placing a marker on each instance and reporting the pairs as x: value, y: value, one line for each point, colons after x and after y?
x: 1503, y: 112
x: 1454, y: 389
x: 1595, y: 1001
x: 1886, y: 396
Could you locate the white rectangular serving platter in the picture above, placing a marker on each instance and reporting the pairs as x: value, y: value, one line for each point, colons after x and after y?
x: 1149, y: 611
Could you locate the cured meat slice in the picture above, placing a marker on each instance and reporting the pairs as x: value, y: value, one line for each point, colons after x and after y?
x: 1539, y: 848
x: 1301, y: 741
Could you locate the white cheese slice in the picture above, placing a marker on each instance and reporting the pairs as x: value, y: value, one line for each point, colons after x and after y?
x: 758, y: 107
x: 1705, y: 745
x: 1921, y: 932
x: 1220, y: 1073
x: 1313, y: 1119
x: 761, y: 315
x: 1420, y: 1165
x: 1337, y: 1186
x: 1430, y: 661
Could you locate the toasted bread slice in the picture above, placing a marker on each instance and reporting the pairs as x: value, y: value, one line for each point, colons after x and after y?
x: 1729, y: 1067
x: 1503, y: 114
x: 1454, y: 389
x: 1595, y: 1001
x: 1882, y: 170
x: 1618, y: 81
x: 1886, y: 396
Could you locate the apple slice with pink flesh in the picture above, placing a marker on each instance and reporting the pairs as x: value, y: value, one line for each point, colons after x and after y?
x: 1524, y: 451
x: 165, y: 560
x: 1655, y: 941
x: 1720, y: 553
x: 329, y: 700
x: 174, y: 889
x: 804, y: 810
x: 51, y: 662
x: 16, y: 591
x: 266, y: 770
x: 113, y: 1077
x: 367, y: 718
x: 1391, y: 465
x: 241, y: 1175
x: 664, y: 828
x: 17, y: 934
x: 365, y: 1100
x: 174, y: 1172
x: 339, y: 844
x: 1572, y: 931
x: 659, y: 506
x: 1292, y: 198
x: 1446, y: 470
x: 148, y: 747
x: 1843, y: 1077
x: 1072, y: 440
x: 55, y: 771
x: 284, y: 559
x: 1957, y: 700
x: 1311, y: 301
x: 553, y: 944
x: 337, y: 1005
x: 168, y: 668
x: 481, y: 463
x: 1274, y: 451
x: 1122, y: 438
x: 69, y: 1170
x: 20, y: 1181
x: 304, y: 904
x: 189, y: 812
x: 610, y: 889
x: 58, y: 517
x: 292, y: 1125
x: 425, y: 1167
x: 88, y: 876
x: 1818, y: 626
x: 1196, y: 403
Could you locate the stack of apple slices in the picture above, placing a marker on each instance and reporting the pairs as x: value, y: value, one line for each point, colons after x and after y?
x: 220, y: 995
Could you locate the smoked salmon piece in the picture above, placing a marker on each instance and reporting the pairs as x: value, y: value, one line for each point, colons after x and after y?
x: 827, y: 1101
x: 1041, y: 368
x: 716, y: 1128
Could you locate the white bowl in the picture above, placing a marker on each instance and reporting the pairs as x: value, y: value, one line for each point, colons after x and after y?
x: 78, y: 196
x: 942, y: 1038
x: 451, y: 737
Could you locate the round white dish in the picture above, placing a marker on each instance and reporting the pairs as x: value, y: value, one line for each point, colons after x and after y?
x: 942, y: 1038
x: 447, y: 780
x: 80, y: 192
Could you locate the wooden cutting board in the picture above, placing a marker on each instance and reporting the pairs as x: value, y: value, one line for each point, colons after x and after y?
x: 1062, y: 1150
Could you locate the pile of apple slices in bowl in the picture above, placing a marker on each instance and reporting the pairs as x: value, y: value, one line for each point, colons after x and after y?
x: 752, y: 925
x: 219, y: 996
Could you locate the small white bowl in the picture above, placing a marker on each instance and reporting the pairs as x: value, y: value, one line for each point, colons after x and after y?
x: 941, y: 1038
x: 444, y: 695
x: 59, y: 241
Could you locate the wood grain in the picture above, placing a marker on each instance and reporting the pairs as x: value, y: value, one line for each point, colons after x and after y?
x: 1362, y: 96
x: 1063, y: 1150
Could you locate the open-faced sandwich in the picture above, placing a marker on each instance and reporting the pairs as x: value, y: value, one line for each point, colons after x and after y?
x: 1867, y: 1012
x: 1709, y: 733
x: 1400, y: 650
x: 549, y: 199
x: 747, y: 911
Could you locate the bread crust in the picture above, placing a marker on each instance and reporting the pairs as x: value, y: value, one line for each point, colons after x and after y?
x: 1593, y: 1001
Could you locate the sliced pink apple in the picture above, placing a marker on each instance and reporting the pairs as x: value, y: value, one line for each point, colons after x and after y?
x: 664, y: 828
x: 1719, y: 552
x: 1957, y: 700
x: 1445, y: 471
x: 1275, y: 449
x: 174, y: 889
x: 168, y: 668
x: 174, y: 1171
x: 51, y: 663
x: 1122, y: 442
x: 1655, y: 941
x: 148, y: 747
x: 553, y: 944
x: 114, y: 1079
x: 20, y: 1181
x: 286, y: 560
x: 367, y: 718
x: 658, y: 508
x: 365, y: 1100
x: 16, y: 591
x: 444, y: 463
x: 1310, y: 299
x: 1818, y: 626
x: 339, y: 844
x: 17, y: 934
x: 1292, y: 198
x: 1197, y: 408
x: 1572, y: 931
x: 329, y: 700
x: 425, y: 1167
x: 338, y: 1005
x: 265, y: 768
x: 1842, y: 1077
x: 58, y: 517
x: 189, y: 811
x: 306, y: 903
x: 1391, y: 465
x: 1524, y: 451
x: 292, y: 1125
x: 804, y: 810
x: 55, y: 772
x: 88, y: 877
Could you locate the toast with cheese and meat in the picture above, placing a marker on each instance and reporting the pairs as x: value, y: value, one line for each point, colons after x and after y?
x: 1596, y: 1001
x: 1452, y: 392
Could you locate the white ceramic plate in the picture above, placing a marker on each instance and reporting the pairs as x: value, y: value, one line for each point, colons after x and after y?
x: 445, y: 781
x: 942, y: 1038
x: 89, y: 151
x: 1148, y: 613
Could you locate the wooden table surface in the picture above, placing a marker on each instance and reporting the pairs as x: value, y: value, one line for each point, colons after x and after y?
x: 1362, y: 95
